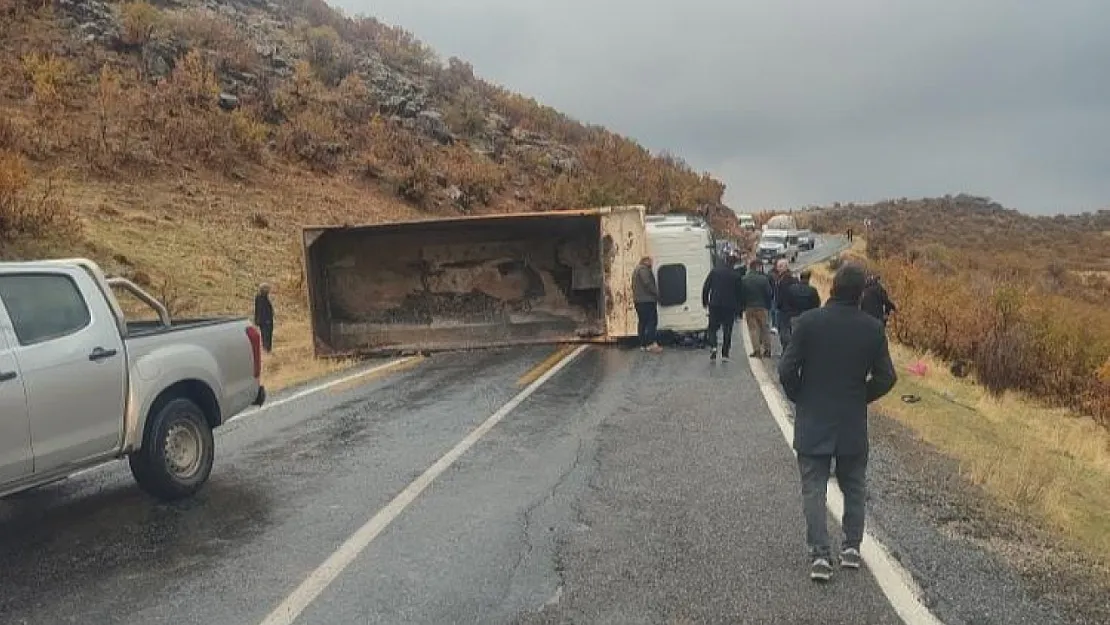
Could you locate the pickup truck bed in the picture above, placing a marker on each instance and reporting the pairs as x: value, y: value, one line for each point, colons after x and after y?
x: 149, y: 328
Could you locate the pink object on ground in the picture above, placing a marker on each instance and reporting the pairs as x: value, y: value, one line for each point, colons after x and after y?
x: 918, y: 368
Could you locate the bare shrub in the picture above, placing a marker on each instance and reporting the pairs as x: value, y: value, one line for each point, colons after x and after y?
x: 141, y: 21
x: 24, y: 214
x: 416, y: 183
x: 249, y: 133
x: 112, y: 139
x: 313, y: 138
x: 11, y: 136
x: 479, y: 180
x: 204, y: 29
x: 331, y: 57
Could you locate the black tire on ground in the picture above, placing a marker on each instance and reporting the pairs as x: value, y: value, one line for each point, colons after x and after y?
x: 177, y: 452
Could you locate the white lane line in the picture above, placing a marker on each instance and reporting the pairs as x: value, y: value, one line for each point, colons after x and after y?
x: 317, y: 581
x: 321, y: 387
x: 894, y: 580
x: 274, y: 404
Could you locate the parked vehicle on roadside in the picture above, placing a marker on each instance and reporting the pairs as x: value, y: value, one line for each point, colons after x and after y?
x: 747, y: 222
x: 81, y: 385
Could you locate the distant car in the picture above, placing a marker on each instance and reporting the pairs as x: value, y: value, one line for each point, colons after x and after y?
x: 776, y: 244
x: 806, y: 240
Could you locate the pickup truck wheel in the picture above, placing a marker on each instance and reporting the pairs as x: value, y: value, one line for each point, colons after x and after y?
x: 177, y: 453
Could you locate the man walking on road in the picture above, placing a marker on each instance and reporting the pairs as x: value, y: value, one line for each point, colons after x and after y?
x: 720, y: 295
x: 755, y: 301
x: 782, y: 280
x: 803, y: 297
x: 645, y: 294
x: 264, y: 316
x: 837, y: 364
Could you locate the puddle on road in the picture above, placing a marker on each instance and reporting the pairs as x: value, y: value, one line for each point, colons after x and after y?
x: 60, y: 543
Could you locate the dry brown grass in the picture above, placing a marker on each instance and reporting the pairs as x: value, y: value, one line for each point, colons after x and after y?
x: 1032, y: 458
x: 1048, y: 463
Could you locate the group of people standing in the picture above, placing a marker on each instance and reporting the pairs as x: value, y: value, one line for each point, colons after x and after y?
x: 769, y: 303
x: 835, y: 362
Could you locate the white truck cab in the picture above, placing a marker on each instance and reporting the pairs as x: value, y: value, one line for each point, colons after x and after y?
x: 682, y: 250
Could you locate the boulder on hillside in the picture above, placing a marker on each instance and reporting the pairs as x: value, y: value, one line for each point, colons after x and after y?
x: 431, y: 123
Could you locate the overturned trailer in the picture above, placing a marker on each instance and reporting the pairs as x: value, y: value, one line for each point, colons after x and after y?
x: 471, y: 282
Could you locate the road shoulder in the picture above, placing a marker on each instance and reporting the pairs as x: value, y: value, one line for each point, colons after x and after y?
x: 946, y: 533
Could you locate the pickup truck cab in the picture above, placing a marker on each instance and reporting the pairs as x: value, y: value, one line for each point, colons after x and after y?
x: 80, y: 385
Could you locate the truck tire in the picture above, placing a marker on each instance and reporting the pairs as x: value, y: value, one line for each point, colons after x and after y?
x: 177, y: 452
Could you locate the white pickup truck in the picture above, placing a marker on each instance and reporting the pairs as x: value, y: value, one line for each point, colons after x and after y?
x: 80, y: 385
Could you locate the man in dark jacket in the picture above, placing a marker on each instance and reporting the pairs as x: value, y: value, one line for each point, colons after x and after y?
x: 782, y: 280
x: 264, y: 316
x: 802, y: 297
x: 720, y: 295
x: 876, y: 302
x: 755, y: 301
x: 645, y: 295
x: 837, y: 364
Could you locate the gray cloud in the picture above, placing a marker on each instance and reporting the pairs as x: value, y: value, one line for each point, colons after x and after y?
x: 812, y: 101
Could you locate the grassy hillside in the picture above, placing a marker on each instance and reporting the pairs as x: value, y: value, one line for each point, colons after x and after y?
x: 1021, y: 302
x: 184, y: 143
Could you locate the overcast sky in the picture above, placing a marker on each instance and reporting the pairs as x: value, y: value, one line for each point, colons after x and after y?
x: 815, y: 101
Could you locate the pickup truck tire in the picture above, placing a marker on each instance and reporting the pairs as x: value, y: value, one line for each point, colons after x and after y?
x: 177, y: 452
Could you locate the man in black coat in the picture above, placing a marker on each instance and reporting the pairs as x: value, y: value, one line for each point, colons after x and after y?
x: 264, y: 317
x: 783, y: 279
x: 720, y: 295
x: 876, y: 301
x: 802, y: 297
x: 837, y: 364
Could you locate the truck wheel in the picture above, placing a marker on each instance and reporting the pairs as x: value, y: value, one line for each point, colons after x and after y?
x: 177, y: 453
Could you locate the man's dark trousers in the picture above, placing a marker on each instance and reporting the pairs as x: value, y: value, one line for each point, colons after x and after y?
x: 851, y: 472
x: 721, y: 319
x: 648, y: 315
x: 786, y: 329
x: 267, y: 332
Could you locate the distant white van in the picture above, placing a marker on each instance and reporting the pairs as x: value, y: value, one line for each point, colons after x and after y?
x: 747, y: 222
x: 682, y: 248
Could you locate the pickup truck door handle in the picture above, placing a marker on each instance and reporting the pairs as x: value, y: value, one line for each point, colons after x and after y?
x: 100, y: 354
x: 7, y: 375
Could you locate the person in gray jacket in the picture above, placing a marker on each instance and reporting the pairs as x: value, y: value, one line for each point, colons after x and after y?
x: 645, y: 294
x: 837, y: 363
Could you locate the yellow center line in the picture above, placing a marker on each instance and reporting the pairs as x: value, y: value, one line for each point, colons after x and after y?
x: 400, y: 365
x: 544, y: 365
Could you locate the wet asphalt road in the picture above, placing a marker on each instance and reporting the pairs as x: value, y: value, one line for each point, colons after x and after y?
x: 630, y: 488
